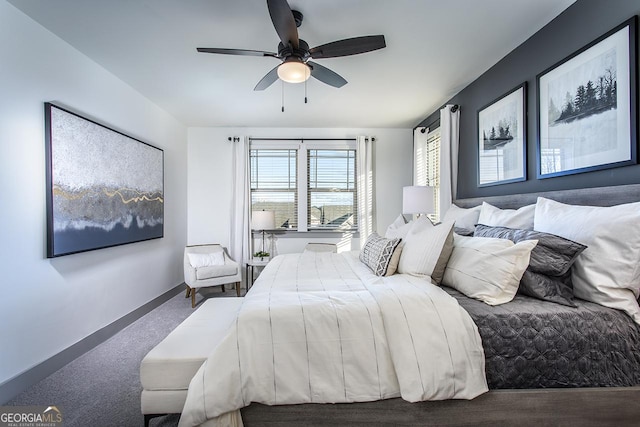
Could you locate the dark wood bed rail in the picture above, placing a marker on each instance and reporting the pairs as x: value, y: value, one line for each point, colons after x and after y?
x: 578, y: 407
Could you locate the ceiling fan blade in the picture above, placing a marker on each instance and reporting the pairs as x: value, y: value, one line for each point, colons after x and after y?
x: 236, y: 51
x: 268, y: 79
x: 284, y: 22
x: 325, y: 75
x: 348, y: 47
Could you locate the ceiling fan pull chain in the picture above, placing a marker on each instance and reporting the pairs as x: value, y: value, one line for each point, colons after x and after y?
x: 282, y: 95
x: 305, y: 84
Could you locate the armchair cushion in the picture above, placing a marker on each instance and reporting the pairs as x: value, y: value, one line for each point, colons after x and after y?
x: 198, y: 260
x: 228, y: 269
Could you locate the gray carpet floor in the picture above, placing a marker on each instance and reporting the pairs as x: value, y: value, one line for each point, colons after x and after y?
x: 102, y: 387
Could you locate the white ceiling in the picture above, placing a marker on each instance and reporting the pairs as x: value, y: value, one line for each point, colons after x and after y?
x: 434, y: 49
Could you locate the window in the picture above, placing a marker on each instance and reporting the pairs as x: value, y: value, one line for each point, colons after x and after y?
x: 327, y: 183
x: 427, y: 167
x: 274, y: 184
x: 331, y: 191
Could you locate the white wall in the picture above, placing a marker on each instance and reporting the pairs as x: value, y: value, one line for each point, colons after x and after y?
x: 48, y: 305
x: 210, y: 166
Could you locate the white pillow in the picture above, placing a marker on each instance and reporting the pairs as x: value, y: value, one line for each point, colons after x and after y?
x: 608, y: 271
x: 486, y: 268
x: 511, y: 218
x: 398, y: 228
x: 426, y: 249
x: 206, y: 260
x: 463, y: 218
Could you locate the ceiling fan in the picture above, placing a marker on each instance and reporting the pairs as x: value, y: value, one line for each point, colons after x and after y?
x: 295, y: 54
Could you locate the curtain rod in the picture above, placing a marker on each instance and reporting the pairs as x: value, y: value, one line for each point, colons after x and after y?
x: 237, y: 139
x: 453, y: 109
x: 302, y: 139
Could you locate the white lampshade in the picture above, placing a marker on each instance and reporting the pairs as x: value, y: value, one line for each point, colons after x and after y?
x: 417, y: 199
x: 294, y: 71
x: 263, y: 220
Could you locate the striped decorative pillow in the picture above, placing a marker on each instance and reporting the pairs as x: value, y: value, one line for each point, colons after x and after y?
x: 378, y: 254
x: 426, y: 249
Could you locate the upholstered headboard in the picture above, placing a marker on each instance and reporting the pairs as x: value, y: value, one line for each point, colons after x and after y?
x: 601, y: 196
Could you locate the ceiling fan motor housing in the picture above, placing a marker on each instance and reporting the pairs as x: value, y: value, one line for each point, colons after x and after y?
x: 302, y: 52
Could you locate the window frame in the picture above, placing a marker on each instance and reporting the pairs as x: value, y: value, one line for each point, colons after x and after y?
x: 302, y: 147
x: 287, y: 147
x: 423, y: 175
x: 349, y: 179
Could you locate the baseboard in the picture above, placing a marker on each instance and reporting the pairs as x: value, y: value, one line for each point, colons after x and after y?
x: 16, y: 385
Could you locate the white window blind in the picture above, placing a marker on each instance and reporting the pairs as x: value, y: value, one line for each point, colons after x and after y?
x: 427, y: 167
x: 274, y: 184
x: 331, y: 189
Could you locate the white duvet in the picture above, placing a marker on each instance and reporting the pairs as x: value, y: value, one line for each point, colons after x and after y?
x: 321, y: 328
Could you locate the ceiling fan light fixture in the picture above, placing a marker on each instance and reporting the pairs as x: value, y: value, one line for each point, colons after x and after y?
x: 294, y: 72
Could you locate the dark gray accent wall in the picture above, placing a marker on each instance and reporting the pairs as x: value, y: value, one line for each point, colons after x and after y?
x: 579, y: 25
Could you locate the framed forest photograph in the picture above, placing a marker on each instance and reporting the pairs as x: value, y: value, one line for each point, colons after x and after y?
x: 587, y: 107
x: 502, y: 133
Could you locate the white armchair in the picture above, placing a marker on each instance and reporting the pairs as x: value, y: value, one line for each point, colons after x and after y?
x: 209, y: 265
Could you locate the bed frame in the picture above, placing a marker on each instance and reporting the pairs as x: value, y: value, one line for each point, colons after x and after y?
x: 619, y: 406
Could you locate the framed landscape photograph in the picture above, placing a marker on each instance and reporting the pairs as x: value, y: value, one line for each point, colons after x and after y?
x: 587, y: 107
x: 502, y: 133
x: 104, y: 188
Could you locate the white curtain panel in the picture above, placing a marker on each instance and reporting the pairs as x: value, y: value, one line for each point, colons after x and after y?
x: 240, y: 203
x: 419, y: 155
x: 449, y: 139
x: 365, y: 187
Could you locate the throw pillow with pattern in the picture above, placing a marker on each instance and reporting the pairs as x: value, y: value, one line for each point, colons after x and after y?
x: 378, y: 253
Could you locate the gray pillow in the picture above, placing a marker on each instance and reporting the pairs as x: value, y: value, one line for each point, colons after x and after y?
x: 468, y: 232
x: 548, y: 276
x: 377, y: 254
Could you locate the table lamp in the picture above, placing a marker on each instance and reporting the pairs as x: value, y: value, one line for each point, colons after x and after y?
x: 263, y: 220
x: 417, y: 199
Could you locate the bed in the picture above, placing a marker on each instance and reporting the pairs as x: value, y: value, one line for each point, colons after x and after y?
x: 549, y: 381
